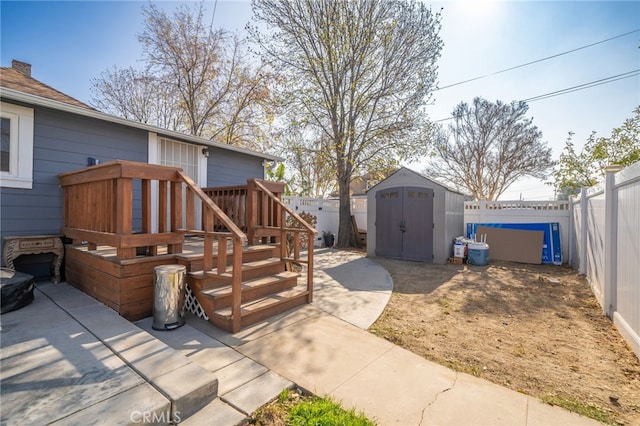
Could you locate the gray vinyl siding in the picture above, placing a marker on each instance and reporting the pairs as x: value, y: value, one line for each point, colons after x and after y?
x: 63, y: 142
x: 232, y: 168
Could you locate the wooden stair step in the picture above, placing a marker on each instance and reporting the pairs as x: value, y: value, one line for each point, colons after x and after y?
x: 253, y: 289
x: 262, y: 308
x: 194, y: 261
x: 253, y: 269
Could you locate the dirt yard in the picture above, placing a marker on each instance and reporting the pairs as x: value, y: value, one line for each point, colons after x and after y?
x: 536, y: 329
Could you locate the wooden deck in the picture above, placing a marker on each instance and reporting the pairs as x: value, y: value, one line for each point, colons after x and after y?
x: 237, y: 266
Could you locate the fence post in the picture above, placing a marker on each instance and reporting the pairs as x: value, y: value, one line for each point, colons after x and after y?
x: 483, y: 210
x: 610, y: 240
x: 584, y: 228
x: 572, y: 232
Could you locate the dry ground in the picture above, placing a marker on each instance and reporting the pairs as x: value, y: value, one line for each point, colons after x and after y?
x: 536, y: 329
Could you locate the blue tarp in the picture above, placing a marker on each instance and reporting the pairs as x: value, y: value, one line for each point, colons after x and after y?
x: 551, y: 248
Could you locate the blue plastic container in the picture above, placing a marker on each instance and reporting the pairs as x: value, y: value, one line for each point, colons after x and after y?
x: 478, y: 254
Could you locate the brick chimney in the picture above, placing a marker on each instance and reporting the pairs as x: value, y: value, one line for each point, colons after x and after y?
x: 23, y: 67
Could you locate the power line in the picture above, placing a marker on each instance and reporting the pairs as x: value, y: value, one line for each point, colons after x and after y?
x: 585, y: 86
x: 536, y: 61
x: 567, y: 90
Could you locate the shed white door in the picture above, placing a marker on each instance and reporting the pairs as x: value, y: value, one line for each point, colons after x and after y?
x: 404, y: 223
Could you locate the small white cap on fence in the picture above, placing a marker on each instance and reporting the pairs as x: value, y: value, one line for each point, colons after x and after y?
x: 613, y: 168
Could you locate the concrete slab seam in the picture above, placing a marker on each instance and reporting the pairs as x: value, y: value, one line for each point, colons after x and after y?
x: 274, y: 331
x: 235, y: 407
x: 362, y: 368
x: 424, y: 410
x: 116, y: 353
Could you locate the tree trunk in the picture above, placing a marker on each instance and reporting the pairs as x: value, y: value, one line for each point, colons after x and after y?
x: 346, y: 237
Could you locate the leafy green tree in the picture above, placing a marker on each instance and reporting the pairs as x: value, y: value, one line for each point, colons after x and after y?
x: 355, y: 78
x: 583, y: 169
x: 278, y: 174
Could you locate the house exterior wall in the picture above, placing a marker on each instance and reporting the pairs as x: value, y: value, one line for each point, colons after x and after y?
x: 446, y: 217
x: 62, y: 142
x: 232, y: 168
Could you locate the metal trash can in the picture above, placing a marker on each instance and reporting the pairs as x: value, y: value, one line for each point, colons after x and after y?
x: 168, y: 297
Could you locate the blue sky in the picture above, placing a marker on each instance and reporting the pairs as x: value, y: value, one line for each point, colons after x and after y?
x: 69, y: 43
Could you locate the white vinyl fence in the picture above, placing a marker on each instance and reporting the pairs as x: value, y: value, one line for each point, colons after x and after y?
x: 606, y: 247
x: 326, y: 210
x: 600, y: 236
x: 521, y: 212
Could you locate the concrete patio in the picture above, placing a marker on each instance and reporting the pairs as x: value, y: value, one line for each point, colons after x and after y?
x: 67, y: 359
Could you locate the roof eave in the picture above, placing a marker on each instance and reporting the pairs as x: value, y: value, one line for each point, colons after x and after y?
x: 16, y: 95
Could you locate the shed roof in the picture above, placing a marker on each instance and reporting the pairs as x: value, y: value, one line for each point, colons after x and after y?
x: 19, y: 87
x: 419, y: 176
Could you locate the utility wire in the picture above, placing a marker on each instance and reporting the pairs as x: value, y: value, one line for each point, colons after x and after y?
x: 585, y: 86
x: 567, y: 90
x: 536, y: 61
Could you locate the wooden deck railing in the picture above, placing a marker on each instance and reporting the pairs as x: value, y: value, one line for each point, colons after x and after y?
x: 129, y: 206
x: 232, y: 200
x: 263, y: 211
x: 212, y: 214
x: 269, y: 218
x: 99, y: 205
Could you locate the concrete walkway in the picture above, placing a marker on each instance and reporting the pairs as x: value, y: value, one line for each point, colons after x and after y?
x: 68, y: 359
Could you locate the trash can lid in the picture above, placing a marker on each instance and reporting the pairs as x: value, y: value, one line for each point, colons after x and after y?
x: 170, y: 268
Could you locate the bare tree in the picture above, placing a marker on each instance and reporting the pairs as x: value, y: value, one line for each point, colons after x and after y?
x: 137, y: 96
x: 358, y: 73
x: 312, y: 172
x: 197, y: 79
x: 189, y: 55
x: 488, y: 147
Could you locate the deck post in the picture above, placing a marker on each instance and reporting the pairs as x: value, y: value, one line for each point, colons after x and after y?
x: 124, y: 214
x: 176, y: 214
x: 310, y: 267
x: 252, y: 214
x: 236, y: 285
x: 162, y: 206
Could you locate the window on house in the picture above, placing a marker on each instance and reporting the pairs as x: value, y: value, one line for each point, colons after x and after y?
x: 180, y: 154
x: 16, y: 146
x: 5, y: 146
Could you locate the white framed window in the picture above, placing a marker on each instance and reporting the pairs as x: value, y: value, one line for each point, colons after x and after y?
x: 180, y: 154
x: 16, y: 147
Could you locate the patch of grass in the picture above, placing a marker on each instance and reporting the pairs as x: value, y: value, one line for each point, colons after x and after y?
x: 588, y: 410
x: 291, y: 408
x: 387, y: 332
x: 284, y: 396
x: 324, y: 411
x: 463, y: 367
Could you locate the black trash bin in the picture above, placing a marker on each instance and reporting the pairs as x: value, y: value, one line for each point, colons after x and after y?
x: 16, y: 289
x: 329, y: 239
x: 168, y: 297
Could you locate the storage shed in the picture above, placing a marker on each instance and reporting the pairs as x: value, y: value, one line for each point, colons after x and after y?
x: 411, y: 217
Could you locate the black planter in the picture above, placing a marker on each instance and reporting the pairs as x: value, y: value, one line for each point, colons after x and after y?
x: 329, y: 239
